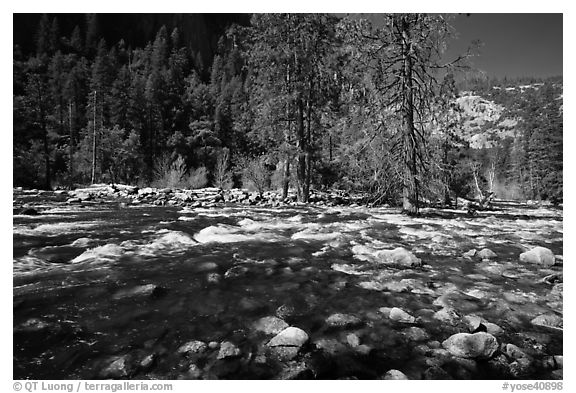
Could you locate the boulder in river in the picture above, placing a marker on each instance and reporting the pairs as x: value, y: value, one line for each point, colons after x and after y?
x: 447, y: 315
x: 394, y: 375
x: 289, y: 337
x: 148, y: 290
x: 118, y: 368
x: 343, y: 321
x: 194, y: 346
x: 416, y: 334
x: 270, y: 325
x: 399, y: 257
x: 399, y: 315
x: 539, y: 255
x: 486, y: 253
x: 479, y: 345
x: 514, y: 352
x: 548, y: 320
x: 228, y: 350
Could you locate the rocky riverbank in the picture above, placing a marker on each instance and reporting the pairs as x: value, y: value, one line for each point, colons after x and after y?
x: 204, y: 197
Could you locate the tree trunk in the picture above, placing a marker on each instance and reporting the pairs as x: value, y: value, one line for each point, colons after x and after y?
x: 71, y: 145
x: 286, y: 178
x: 410, y: 182
x: 48, y: 178
x: 94, y: 141
x: 308, y: 157
x: 301, y: 149
x: 447, y: 200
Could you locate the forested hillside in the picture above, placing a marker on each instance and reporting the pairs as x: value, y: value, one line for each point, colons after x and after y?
x: 303, y: 101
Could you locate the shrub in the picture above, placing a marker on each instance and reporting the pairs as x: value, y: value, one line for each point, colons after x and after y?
x: 198, y: 178
x: 169, y: 173
x: 255, y: 174
x: 222, y: 174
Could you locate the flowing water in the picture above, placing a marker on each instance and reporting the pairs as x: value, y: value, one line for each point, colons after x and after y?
x: 214, y: 272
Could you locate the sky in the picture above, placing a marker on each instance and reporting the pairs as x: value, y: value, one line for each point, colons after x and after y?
x: 512, y: 44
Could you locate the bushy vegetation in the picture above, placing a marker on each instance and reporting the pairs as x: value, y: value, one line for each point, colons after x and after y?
x: 297, y: 101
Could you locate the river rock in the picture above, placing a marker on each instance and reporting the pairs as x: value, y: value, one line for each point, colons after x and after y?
x: 398, y: 256
x: 194, y: 346
x: 236, y: 271
x: 290, y: 337
x: 286, y: 311
x: 352, y: 340
x: 206, y: 267
x: 138, y: 291
x: 395, y: 375
x: 228, y: 350
x: 37, y: 331
x: 270, y: 325
x: 539, y: 255
x: 415, y: 334
x: 194, y: 372
x: 447, y: 315
x: 479, y: 345
x: 470, y: 254
x: 399, y: 315
x: 147, y: 361
x: 514, y: 352
x: 548, y: 320
x: 493, y: 329
x: 486, y: 253
x: 330, y: 346
x: 213, y: 278
x: 117, y: 368
x: 343, y: 321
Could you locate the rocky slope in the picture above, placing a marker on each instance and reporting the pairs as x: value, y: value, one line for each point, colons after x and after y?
x: 487, y: 122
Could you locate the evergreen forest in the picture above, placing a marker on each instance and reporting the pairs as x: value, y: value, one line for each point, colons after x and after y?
x: 287, y: 102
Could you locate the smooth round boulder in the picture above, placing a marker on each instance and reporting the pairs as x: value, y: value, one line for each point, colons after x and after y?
x: 539, y: 255
x: 486, y: 253
x: 479, y: 345
x: 393, y: 375
x: 289, y: 337
x: 399, y: 315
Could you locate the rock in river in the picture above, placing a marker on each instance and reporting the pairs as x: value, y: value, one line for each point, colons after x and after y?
x: 289, y: 337
x: 270, y: 325
x: 194, y: 346
x: 486, y: 253
x: 399, y: 315
x: 117, y: 368
x: 228, y: 350
x: 539, y: 255
x: 548, y: 320
x: 397, y: 257
x: 139, y: 291
x: 479, y: 345
x: 394, y: 375
x: 343, y: 320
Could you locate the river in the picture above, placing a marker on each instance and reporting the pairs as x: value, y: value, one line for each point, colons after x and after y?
x: 98, y: 282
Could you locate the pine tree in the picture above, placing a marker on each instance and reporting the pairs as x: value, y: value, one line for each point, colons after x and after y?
x: 293, y: 48
x: 403, y: 56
